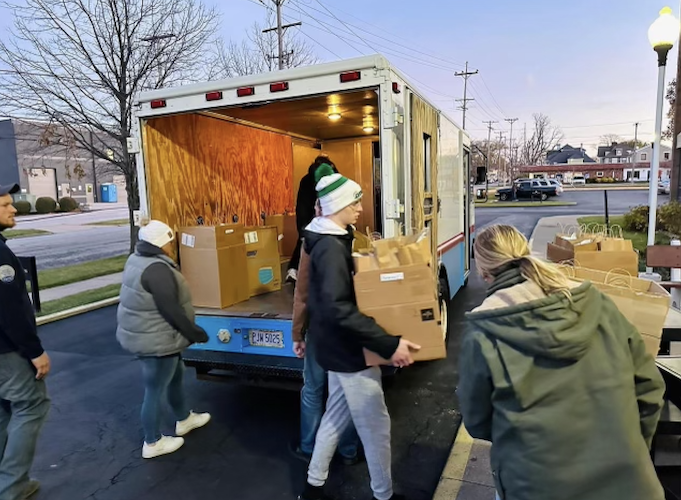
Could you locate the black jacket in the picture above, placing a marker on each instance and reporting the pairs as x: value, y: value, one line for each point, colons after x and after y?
x: 158, y: 280
x: 307, y: 197
x: 18, y: 331
x: 340, y: 329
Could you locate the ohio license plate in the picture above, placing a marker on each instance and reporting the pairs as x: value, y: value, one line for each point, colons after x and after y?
x: 266, y: 338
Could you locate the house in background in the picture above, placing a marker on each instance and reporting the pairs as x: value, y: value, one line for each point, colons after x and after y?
x: 35, y: 156
x: 568, y: 155
x: 616, y: 153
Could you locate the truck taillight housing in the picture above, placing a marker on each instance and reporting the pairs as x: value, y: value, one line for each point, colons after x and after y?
x: 158, y: 103
x: 245, y: 91
x: 279, y: 87
x: 351, y: 76
x: 213, y: 96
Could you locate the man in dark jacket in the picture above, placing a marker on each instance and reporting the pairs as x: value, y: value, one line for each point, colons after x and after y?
x: 342, y: 332
x: 23, y: 367
x: 305, y: 211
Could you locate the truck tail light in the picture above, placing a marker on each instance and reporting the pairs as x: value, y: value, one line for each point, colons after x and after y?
x: 279, y: 87
x: 396, y: 88
x: 351, y: 76
x: 158, y: 103
x: 213, y: 96
x: 245, y: 91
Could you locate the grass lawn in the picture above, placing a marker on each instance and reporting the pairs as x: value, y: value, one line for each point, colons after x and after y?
x: 23, y: 233
x: 50, y: 278
x: 117, y: 222
x: 639, y: 240
x: 80, y: 299
x: 507, y: 204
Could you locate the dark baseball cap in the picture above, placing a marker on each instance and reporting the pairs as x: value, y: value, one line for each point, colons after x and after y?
x: 9, y: 189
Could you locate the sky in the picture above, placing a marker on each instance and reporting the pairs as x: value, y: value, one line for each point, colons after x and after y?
x: 586, y: 64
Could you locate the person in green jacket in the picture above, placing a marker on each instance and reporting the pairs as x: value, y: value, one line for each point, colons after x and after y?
x: 558, y: 380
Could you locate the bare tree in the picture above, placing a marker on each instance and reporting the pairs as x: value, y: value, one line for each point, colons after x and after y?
x: 609, y: 139
x: 257, y: 52
x: 545, y: 137
x: 671, y: 99
x: 80, y: 63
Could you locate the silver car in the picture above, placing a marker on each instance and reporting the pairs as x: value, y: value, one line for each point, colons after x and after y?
x: 663, y: 187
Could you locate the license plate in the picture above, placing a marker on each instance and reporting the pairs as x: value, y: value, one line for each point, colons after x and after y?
x: 266, y: 338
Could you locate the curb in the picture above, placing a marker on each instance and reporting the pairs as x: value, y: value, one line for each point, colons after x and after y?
x: 51, y: 318
x: 483, y: 206
x: 452, y: 475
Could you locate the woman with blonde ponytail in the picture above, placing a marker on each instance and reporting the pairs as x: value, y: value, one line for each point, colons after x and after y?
x: 558, y: 380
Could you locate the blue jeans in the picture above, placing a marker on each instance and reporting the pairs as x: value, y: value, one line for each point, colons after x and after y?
x: 312, y: 408
x: 23, y: 408
x: 162, y: 378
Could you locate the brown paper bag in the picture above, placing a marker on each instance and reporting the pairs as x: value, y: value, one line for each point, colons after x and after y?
x: 643, y: 302
x: 616, y: 245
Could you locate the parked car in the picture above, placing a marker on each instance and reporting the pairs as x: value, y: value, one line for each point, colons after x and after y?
x: 557, y: 184
x: 528, y: 189
x: 578, y: 180
x: 663, y: 187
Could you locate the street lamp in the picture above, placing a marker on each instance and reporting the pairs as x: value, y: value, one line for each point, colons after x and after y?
x: 662, y: 35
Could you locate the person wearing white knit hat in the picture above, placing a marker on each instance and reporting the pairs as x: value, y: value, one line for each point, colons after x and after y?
x: 341, y: 333
x: 156, y: 323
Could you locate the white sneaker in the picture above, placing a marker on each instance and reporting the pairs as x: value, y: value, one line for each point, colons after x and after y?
x: 193, y: 421
x: 292, y: 275
x: 163, y: 446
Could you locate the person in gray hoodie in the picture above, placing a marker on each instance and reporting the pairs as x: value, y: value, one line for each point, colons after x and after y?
x: 156, y: 323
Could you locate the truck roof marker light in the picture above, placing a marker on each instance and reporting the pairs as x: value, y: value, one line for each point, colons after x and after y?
x: 158, y: 103
x: 279, y: 87
x: 245, y: 91
x: 396, y: 88
x: 351, y: 76
x: 213, y: 96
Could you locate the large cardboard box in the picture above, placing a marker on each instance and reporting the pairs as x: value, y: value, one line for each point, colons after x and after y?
x: 211, y: 237
x: 262, y: 260
x: 403, y: 300
x: 288, y: 232
x: 217, y: 277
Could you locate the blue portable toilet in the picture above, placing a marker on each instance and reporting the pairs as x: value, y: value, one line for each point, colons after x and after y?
x: 109, y: 193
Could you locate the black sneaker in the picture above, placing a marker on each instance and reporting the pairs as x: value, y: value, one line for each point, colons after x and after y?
x: 314, y: 493
x: 294, y: 449
x: 350, y: 461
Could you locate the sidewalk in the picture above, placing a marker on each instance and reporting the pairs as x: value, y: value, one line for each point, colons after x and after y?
x: 60, y: 292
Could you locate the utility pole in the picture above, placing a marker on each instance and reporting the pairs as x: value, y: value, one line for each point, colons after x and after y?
x: 464, y: 102
x: 501, y: 150
x: 280, y: 29
x: 489, y: 148
x: 510, y: 144
x: 633, y: 161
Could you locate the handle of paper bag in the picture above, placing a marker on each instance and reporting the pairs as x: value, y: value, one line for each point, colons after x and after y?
x: 570, y: 269
x: 622, y: 275
x: 616, y: 231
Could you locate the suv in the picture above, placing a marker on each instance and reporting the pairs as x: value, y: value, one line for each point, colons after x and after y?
x: 578, y: 180
x: 533, y: 188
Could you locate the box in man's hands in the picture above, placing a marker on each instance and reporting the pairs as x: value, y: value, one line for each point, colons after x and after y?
x: 396, y: 286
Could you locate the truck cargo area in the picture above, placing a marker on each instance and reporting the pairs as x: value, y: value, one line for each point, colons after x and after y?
x: 239, y: 164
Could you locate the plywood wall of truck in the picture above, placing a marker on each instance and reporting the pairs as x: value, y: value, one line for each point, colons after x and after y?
x: 354, y: 159
x: 201, y: 166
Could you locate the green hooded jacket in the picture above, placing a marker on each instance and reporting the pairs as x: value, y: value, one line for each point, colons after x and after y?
x: 565, y: 392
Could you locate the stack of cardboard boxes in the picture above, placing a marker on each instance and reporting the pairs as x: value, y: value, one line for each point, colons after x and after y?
x: 229, y: 263
x: 395, y: 284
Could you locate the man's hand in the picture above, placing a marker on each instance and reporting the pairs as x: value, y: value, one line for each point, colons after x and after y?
x: 42, y: 364
x: 299, y: 349
x: 402, y: 356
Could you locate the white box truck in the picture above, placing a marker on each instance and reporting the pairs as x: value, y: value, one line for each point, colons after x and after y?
x: 236, y: 149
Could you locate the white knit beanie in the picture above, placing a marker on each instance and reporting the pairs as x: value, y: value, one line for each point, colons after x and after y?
x: 334, y: 191
x: 156, y: 233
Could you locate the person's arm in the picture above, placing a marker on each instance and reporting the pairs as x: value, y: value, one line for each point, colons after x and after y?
x: 17, y: 326
x: 475, y: 389
x: 300, y: 296
x: 649, y: 383
x: 158, y: 280
x: 337, y: 292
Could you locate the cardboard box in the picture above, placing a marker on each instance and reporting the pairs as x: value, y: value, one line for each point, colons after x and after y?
x: 288, y: 232
x: 418, y: 322
x: 211, y: 237
x: 262, y: 260
x: 217, y: 277
x: 403, y: 300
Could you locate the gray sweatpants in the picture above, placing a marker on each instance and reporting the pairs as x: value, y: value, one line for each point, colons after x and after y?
x: 356, y: 397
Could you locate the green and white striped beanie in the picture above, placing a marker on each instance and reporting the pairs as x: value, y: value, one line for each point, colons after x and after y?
x: 334, y: 191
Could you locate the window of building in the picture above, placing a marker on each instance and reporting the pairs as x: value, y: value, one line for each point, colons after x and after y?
x: 637, y: 174
x: 599, y: 174
x: 644, y: 157
x: 666, y: 156
x: 619, y: 152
